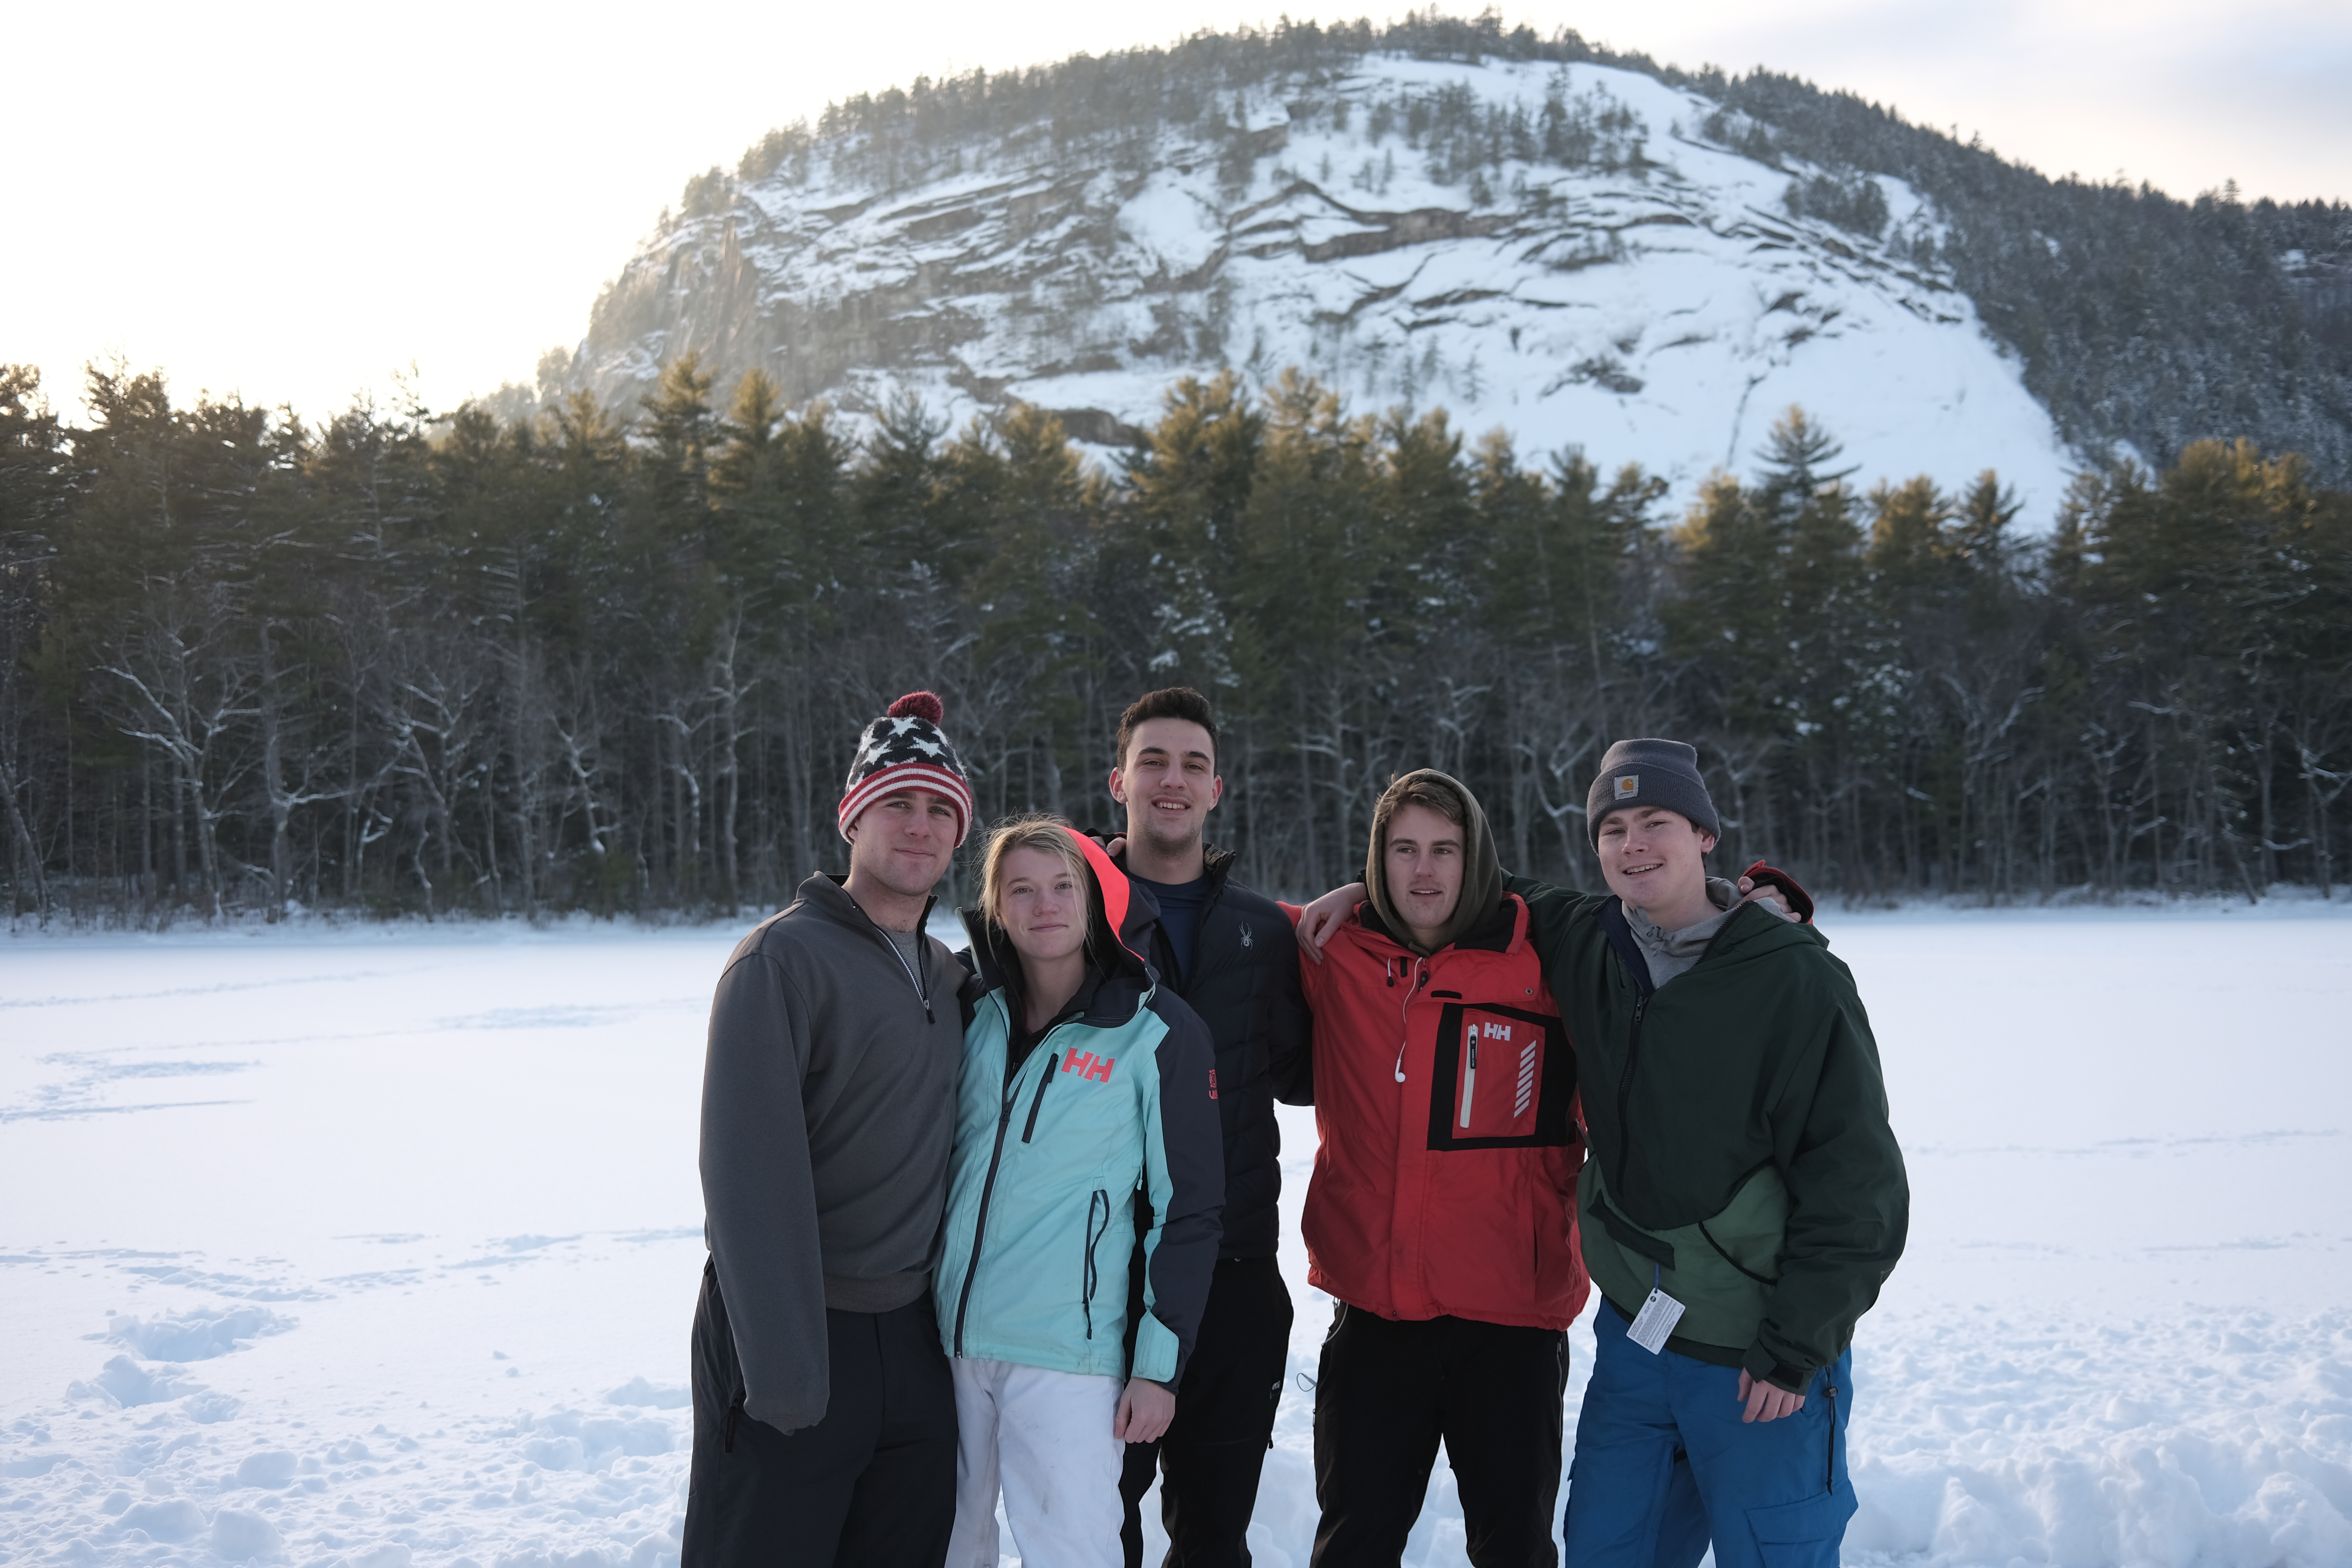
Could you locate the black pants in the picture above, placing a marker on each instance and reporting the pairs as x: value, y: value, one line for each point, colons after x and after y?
x: 872, y: 1485
x: 1210, y: 1460
x: 1387, y: 1393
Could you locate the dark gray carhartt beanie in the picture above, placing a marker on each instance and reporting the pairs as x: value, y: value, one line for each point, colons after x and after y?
x: 1651, y: 773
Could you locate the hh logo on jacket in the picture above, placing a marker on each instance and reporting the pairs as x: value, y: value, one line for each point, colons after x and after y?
x: 1088, y: 1065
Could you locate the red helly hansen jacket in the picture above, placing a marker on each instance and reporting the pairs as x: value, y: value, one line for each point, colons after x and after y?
x: 1445, y: 1106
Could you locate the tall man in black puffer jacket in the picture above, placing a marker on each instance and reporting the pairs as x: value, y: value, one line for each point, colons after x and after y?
x: 1228, y: 950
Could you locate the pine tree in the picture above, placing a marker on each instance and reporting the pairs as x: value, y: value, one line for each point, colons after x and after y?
x: 35, y: 500
x: 1185, y: 493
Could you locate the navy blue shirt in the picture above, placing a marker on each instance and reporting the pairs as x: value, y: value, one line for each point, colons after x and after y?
x: 1180, y: 917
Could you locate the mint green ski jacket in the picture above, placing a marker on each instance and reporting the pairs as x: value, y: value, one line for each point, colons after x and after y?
x: 1118, y: 1099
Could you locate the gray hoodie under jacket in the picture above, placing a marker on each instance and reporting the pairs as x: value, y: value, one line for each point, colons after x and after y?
x: 828, y: 1119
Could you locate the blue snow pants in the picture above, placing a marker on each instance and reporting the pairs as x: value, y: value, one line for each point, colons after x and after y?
x: 1664, y: 1462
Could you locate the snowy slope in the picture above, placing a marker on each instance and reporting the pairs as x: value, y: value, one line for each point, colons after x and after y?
x: 381, y: 1248
x: 1661, y: 309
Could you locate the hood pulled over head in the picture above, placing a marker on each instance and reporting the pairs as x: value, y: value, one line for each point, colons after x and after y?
x: 1118, y: 914
x: 1482, y: 869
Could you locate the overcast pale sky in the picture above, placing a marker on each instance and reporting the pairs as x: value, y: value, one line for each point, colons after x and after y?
x: 292, y: 203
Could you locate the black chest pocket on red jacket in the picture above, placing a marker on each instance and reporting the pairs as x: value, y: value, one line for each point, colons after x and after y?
x: 1504, y: 1079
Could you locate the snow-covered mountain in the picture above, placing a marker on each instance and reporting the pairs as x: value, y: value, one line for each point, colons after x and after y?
x: 1577, y: 254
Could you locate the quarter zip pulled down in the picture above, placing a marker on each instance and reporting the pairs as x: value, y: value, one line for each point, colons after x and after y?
x: 919, y: 981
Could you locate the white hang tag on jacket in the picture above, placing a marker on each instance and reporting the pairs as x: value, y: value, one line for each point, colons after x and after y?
x: 1654, y: 1324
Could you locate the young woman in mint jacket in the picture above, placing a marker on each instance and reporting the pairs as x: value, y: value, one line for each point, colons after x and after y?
x: 1088, y: 1095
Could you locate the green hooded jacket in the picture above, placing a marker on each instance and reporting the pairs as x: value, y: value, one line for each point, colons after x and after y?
x: 1742, y: 1159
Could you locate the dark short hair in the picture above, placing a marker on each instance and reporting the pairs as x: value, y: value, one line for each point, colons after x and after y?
x: 1168, y: 702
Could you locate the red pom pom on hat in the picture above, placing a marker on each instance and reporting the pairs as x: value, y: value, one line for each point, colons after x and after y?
x: 921, y: 705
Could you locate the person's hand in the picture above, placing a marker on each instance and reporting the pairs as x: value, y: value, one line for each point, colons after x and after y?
x: 1766, y: 1401
x: 1792, y: 902
x: 1114, y: 845
x: 1144, y: 1411
x: 1324, y: 916
x: 1768, y: 895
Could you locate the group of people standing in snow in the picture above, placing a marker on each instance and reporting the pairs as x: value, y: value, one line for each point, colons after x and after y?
x: 1002, y: 1224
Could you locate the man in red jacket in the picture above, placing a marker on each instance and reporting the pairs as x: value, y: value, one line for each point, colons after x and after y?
x: 1442, y: 1213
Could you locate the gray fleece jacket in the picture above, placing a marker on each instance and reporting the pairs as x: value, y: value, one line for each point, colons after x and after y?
x: 828, y: 1117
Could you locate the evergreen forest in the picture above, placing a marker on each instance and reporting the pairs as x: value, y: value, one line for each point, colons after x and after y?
x: 614, y: 660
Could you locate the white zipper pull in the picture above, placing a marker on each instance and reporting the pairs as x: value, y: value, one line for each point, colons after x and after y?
x: 1470, y: 1075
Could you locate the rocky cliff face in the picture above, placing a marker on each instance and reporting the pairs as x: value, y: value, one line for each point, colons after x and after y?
x: 1573, y: 253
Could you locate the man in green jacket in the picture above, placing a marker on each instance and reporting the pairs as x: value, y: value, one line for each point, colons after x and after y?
x: 1744, y: 1201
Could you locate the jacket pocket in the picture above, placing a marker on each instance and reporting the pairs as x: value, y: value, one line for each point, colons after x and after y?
x: 1503, y: 1079
x: 1089, y: 1275
x: 1721, y: 1268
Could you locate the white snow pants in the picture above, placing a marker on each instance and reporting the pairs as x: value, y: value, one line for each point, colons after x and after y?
x: 1043, y: 1439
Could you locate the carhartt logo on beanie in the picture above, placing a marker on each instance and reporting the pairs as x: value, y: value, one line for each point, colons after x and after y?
x: 905, y: 749
x: 1649, y: 773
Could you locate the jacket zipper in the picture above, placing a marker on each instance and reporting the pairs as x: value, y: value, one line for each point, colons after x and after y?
x: 1625, y: 1099
x: 1829, y: 1480
x: 1470, y: 1076
x: 1216, y: 879
x: 922, y: 989
x: 987, y: 1190
x: 996, y: 1159
x: 1088, y: 1279
x: 1216, y: 890
x: 1029, y: 1131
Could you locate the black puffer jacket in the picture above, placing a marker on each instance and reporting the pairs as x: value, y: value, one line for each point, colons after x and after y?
x: 1245, y: 986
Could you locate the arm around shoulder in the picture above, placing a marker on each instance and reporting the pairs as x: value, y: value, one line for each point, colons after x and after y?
x: 1289, y: 1023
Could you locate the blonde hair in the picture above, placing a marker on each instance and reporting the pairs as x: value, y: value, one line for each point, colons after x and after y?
x: 1041, y: 830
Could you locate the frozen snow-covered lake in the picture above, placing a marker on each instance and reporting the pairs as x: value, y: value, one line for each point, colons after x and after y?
x: 382, y: 1248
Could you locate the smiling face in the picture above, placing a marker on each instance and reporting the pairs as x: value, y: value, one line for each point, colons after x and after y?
x: 1421, y: 862
x: 1654, y: 860
x: 903, y: 841
x: 1041, y: 902
x: 1168, y: 782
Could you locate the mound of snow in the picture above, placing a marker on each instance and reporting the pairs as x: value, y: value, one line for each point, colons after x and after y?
x: 173, y: 1519
x: 240, y: 1536
x: 661, y: 1397
x: 123, y: 1381
x: 198, y: 1334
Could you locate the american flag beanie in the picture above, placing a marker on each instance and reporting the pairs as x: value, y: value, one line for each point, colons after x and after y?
x: 904, y: 748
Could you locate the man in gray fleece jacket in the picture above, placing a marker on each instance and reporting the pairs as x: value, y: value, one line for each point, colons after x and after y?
x: 823, y: 1416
